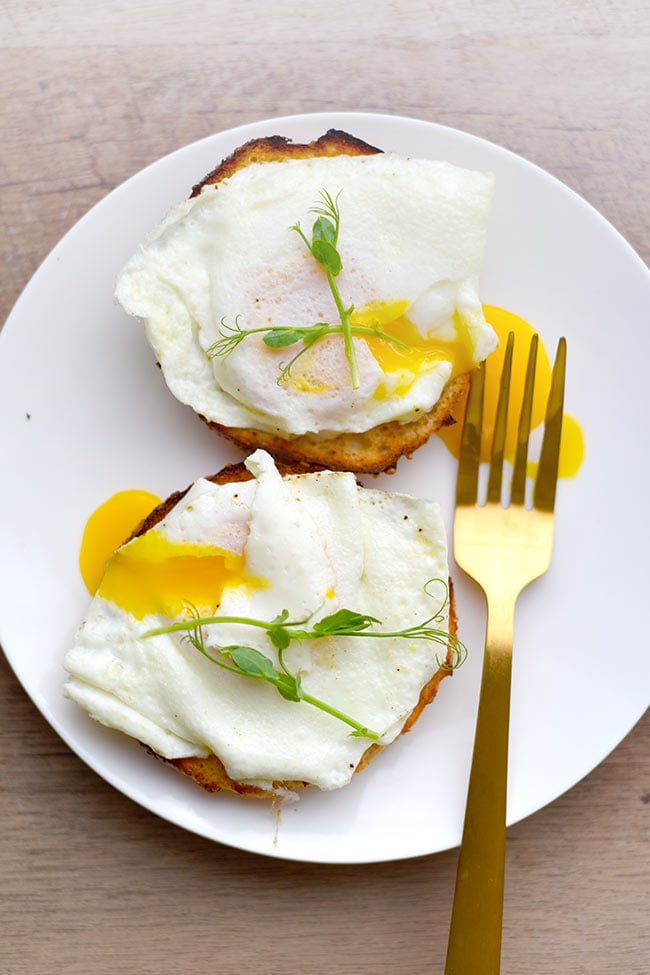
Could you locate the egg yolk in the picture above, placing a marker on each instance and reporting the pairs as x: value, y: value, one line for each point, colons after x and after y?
x: 402, y: 353
x: 108, y: 527
x: 411, y: 353
x: 572, y: 443
x: 154, y: 574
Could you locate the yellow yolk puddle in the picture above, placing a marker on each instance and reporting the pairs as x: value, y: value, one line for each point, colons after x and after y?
x: 153, y: 574
x: 108, y: 527
x: 572, y: 445
x: 421, y: 353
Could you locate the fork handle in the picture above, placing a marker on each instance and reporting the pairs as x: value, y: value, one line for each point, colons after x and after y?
x: 474, y: 946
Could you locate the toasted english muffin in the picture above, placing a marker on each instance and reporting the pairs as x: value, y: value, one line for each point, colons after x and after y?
x: 375, y: 451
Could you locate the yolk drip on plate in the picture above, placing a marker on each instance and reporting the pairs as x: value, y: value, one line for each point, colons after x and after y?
x: 572, y: 445
x: 108, y: 527
x: 414, y: 354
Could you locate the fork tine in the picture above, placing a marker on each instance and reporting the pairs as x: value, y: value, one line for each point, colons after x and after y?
x: 518, y: 487
x: 470, y: 446
x: 546, y: 480
x: 500, y: 426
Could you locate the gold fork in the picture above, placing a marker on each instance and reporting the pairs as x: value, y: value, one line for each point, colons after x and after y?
x: 503, y: 545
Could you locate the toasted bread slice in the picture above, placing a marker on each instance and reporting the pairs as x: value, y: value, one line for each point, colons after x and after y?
x: 209, y: 773
x: 379, y: 449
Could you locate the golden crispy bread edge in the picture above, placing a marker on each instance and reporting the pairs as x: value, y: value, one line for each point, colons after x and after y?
x: 276, y: 148
x: 374, y: 452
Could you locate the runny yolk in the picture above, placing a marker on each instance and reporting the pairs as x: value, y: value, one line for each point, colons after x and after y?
x: 154, y: 574
x: 107, y: 528
x: 572, y: 444
x: 415, y: 353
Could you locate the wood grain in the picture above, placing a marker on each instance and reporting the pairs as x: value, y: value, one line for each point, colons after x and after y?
x: 91, y: 93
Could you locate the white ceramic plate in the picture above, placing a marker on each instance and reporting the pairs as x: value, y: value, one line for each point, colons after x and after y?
x: 85, y: 413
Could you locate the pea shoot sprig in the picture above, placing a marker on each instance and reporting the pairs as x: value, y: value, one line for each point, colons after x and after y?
x: 249, y: 662
x: 323, y: 248
x: 281, y: 631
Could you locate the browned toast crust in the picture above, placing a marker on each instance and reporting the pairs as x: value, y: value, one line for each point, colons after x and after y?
x: 374, y: 452
x: 209, y: 773
x: 276, y: 148
x: 379, y: 449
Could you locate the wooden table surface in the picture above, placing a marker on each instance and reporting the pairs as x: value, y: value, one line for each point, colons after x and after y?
x: 91, y: 93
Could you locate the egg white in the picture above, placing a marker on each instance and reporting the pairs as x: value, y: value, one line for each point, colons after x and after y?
x: 411, y: 230
x: 321, y: 543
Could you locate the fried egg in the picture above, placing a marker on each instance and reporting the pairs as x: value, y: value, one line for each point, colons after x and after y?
x: 411, y: 241
x: 309, y: 544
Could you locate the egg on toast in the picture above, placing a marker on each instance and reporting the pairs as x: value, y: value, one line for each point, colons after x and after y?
x: 240, y: 560
x: 347, y: 363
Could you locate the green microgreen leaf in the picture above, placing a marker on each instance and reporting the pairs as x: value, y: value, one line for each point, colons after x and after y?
x: 280, y: 338
x: 344, y: 621
x: 324, y: 230
x: 329, y: 208
x: 251, y: 662
x: 288, y: 686
x: 282, y: 617
x: 280, y: 637
x: 327, y: 256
